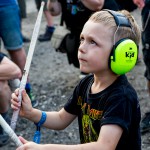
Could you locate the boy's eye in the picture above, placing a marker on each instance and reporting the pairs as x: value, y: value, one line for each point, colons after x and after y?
x: 81, y: 39
x: 92, y: 42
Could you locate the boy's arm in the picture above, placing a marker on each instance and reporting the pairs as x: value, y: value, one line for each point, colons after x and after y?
x: 55, y: 120
x: 94, y: 5
x: 59, y: 120
x: 9, y: 70
x: 108, y: 140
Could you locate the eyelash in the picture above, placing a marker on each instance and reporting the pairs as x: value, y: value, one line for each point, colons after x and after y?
x: 81, y: 39
x: 91, y: 41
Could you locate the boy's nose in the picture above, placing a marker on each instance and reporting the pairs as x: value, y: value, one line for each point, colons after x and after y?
x: 82, y: 48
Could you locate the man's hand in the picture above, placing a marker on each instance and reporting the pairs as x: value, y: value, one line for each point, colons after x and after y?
x: 139, y: 3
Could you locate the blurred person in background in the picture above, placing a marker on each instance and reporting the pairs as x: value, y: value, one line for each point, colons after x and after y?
x: 23, y: 14
x: 145, y: 14
x: 74, y: 14
x: 10, y: 33
x: 8, y: 71
x: 46, y: 36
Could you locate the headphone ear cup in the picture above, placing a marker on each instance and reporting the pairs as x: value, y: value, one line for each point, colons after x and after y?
x: 124, y: 56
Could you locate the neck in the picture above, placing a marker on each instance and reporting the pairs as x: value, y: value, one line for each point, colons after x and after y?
x: 101, y: 82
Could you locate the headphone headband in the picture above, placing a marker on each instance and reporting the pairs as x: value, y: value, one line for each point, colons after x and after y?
x: 120, y: 19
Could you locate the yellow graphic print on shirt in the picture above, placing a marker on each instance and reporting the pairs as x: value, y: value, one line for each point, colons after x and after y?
x: 89, y: 115
x: 89, y: 133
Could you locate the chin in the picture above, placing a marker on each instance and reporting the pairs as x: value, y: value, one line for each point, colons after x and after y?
x: 84, y: 70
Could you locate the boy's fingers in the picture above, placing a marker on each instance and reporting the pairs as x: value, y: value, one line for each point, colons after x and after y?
x: 14, y: 97
x: 24, y: 95
x: 20, y: 148
x: 14, y: 107
x: 17, y: 91
x: 23, y: 140
x: 15, y: 104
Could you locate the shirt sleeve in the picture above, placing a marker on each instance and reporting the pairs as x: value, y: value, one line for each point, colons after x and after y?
x: 72, y: 104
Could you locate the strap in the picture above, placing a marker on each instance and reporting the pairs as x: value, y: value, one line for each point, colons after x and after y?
x: 37, y: 137
x: 120, y: 19
x: 37, y: 134
x: 42, y: 120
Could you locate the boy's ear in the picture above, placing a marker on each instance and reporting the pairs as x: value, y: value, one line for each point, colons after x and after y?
x: 123, y: 56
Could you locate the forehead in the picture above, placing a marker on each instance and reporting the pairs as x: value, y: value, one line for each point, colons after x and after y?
x: 97, y: 29
x: 99, y: 33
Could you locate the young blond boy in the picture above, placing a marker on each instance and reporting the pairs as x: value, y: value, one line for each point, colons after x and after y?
x: 105, y: 103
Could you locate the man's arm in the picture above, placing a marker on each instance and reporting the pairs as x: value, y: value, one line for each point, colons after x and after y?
x: 139, y: 3
x: 55, y: 8
x: 9, y: 70
x: 94, y: 5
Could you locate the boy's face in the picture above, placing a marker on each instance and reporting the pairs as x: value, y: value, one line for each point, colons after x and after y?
x: 95, y: 47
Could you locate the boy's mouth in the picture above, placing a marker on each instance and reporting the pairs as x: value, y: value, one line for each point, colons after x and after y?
x: 82, y: 60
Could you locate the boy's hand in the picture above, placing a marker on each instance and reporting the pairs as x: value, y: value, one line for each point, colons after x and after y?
x: 25, y: 107
x: 139, y: 3
x: 28, y: 145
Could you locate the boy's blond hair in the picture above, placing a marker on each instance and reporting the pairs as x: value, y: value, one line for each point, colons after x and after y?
x: 107, y: 19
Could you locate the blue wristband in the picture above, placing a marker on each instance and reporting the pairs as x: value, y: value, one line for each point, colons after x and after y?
x: 42, y: 120
x: 37, y: 134
x: 37, y: 137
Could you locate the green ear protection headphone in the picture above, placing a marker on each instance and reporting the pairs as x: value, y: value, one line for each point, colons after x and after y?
x: 124, y: 54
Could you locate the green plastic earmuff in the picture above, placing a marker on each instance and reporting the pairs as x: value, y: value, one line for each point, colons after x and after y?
x: 124, y: 56
x: 125, y: 52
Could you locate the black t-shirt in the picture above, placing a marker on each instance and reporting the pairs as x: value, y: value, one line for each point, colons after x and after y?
x: 117, y: 104
x: 126, y: 4
x: 75, y: 14
x: 147, y: 2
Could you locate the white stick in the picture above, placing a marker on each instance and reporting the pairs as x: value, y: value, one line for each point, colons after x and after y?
x: 28, y: 63
x: 10, y: 132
